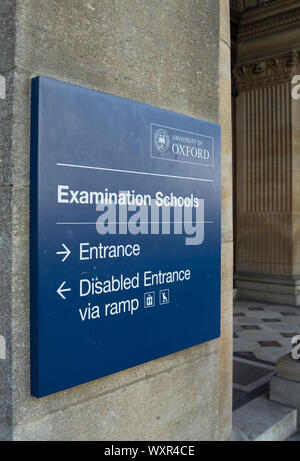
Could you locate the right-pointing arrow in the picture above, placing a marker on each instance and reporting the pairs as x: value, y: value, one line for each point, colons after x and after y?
x: 61, y: 290
x: 67, y: 252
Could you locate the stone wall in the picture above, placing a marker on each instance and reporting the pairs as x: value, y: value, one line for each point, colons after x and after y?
x: 7, y: 56
x: 159, y: 53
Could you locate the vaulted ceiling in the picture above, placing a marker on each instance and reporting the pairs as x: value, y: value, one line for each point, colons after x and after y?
x: 243, y: 5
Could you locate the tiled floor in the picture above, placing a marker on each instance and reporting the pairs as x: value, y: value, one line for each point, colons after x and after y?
x: 261, y: 334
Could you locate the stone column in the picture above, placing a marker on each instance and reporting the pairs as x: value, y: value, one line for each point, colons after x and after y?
x: 267, y: 151
x: 225, y: 346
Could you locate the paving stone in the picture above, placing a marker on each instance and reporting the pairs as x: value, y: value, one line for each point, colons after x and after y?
x: 245, y: 355
x: 263, y: 420
x: 272, y: 320
x: 289, y: 335
x: 269, y: 343
x: 270, y: 354
x: 288, y: 314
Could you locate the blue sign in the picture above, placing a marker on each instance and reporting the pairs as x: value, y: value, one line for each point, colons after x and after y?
x: 125, y: 234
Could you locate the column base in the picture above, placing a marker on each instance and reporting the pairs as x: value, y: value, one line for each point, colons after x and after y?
x: 266, y: 288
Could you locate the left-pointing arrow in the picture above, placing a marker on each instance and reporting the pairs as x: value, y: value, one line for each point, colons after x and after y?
x: 61, y: 290
x: 67, y: 252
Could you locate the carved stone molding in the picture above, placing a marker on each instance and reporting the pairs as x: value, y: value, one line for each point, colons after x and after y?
x: 271, y: 23
x: 244, y: 5
x: 266, y: 72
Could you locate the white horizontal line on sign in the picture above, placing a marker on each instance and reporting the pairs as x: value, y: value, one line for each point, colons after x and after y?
x: 132, y: 172
x: 164, y: 222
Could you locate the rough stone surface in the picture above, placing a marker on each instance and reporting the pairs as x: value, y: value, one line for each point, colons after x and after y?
x: 157, y: 54
x: 7, y: 32
x: 7, y: 56
x: 172, y: 407
x: 6, y: 119
x: 161, y: 54
x: 225, y: 344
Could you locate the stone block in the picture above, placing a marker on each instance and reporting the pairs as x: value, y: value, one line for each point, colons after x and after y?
x: 225, y: 122
x: 20, y: 148
x: 160, y: 407
x: 286, y: 392
x: 264, y: 421
x: 225, y: 21
x: 5, y: 207
x: 6, y: 123
x: 7, y: 35
x: 149, y: 56
x: 270, y: 289
x: 288, y: 368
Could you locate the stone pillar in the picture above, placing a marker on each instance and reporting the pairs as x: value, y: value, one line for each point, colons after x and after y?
x: 225, y: 346
x: 161, y: 53
x: 267, y: 140
x: 7, y: 63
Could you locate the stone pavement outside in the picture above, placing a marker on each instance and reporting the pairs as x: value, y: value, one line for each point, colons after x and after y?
x: 262, y: 333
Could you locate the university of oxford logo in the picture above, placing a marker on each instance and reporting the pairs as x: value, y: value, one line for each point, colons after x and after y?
x: 162, y: 140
